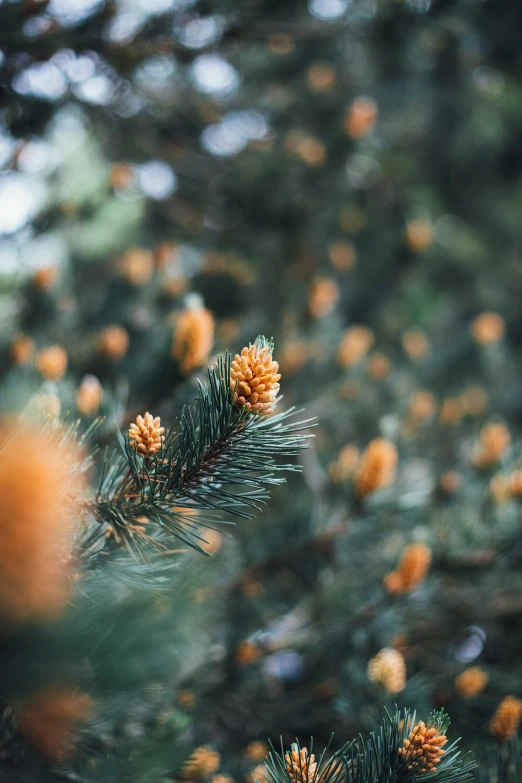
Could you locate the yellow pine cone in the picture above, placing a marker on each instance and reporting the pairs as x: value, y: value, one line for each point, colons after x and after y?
x: 416, y: 344
x: 471, y: 682
x: 493, y: 443
x: 388, y: 670
x: 488, y: 328
x: 113, y: 342
x: 376, y: 468
x: 301, y: 767
x: 258, y: 773
x: 324, y: 294
x: 146, y: 435
x: 411, y: 571
x: 354, y: 345
x: 89, y: 395
x: 506, y: 720
x: 201, y: 764
x: 22, y: 349
x: 360, y: 116
x: 515, y: 484
x: 36, y: 535
x: 50, y: 719
x: 423, y: 749
x: 52, y: 362
x: 256, y: 751
x: 254, y: 377
x: 193, y: 338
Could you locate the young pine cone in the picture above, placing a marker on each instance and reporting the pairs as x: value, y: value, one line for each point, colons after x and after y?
x: 494, y: 441
x: 388, y: 670
x: 193, y: 338
x: 506, y: 720
x: 51, y: 718
x: 201, y: 764
x: 52, y: 362
x: 411, y: 571
x: 376, y: 468
x: 146, y: 435
x: 301, y: 767
x: 422, y: 750
x: 254, y: 377
x: 471, y: 682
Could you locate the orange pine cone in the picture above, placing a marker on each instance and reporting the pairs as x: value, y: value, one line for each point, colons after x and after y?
x: 50, y: 719
x: 52, y: 362
x: 411, y: 571
x: 376, y: 468
x: 388, y: 670
x: 506, y: 720
x: 471, y: 682
x: 423, y: 749
x: 193, y: 338
x: 36, y: 534
x: 254, y: 380
x: 146, y: 435
x: 300, y: 765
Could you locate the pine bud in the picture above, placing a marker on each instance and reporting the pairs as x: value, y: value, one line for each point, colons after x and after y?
x: 201, y: 764
x: 137, y: 266
x: 506, y: 720
x: 471, y: 682
x: 416, y: 345
x: 258, y: 773
x: 419, y: 234
x: 355, y: 344
x: 300, y: 765
x: 422, y: 750
x: 146, y: 435
x: 411, y: 571
x: 323, y: 297
x: 256, y: 751
x: 515, y: 484
x: 89, y: 395
x: 376, y: 468
x: 113, y: 342
x: 360, y: 117
x: 51, y: 718
x: 488, y: 328
x: 388, y: 670
x: 52, y: 362
x: 45, y: 277
x: 193, y: 338
x: 22, y: 348
x: 254, y: 377
x: 36, y: 538
x: 493, y: 443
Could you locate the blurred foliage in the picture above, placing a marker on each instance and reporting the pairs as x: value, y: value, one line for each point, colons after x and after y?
x: 298, y: 170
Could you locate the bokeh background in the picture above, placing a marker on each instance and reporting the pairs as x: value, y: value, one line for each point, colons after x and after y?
x: 178, y: 176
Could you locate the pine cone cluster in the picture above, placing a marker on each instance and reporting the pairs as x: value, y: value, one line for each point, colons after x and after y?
x: 471, y: 682
x: 422, y: 750
x: 202, y: 763
x: 300, y: 765
x: 388, y: 670
x: 254, y: 378
x: 193, y: 338
x: 411, y: 571
x: 89, y: 395
x: 506, y: 720
x: 376, y: 468
x: 146, y: 435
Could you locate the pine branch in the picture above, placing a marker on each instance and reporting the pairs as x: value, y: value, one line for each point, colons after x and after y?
x: 220, y: 459
x: 385, y: 757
